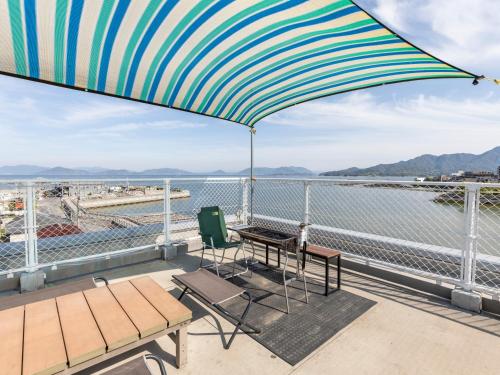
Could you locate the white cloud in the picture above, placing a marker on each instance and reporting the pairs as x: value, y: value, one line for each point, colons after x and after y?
x: 361, y: 110
x: 465, y: 33
x: 393, y: 12
x: 97, y: 110
x: 130, y: 128
x: 361, y: 129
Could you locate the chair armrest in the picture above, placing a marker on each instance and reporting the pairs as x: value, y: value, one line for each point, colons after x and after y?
x: 211, y: 239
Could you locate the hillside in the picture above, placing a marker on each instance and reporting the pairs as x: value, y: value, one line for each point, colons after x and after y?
x: 429, y: 165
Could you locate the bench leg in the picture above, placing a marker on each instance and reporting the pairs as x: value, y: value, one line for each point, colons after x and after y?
x: 327, y: 275
x: 181, y: 347
x: 182, y: 294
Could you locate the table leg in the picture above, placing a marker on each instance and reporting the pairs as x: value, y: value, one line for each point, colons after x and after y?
x: 297, y: 255
x: 267, y: 255
x: 303, y: 266
x: 279, y: 257
x: 327, y: 275
x: 284, y: 279
x: 181, y: 347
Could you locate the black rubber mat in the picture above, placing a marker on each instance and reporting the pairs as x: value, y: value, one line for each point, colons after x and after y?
x: 294, y: 336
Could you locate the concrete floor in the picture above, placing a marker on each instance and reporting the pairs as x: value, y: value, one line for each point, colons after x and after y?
x: 406, y: 332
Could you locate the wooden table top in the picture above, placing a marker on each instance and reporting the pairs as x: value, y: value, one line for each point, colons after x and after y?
x: 49, y: 336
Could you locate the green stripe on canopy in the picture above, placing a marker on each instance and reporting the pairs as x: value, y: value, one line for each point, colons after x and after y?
x: 235, y: 60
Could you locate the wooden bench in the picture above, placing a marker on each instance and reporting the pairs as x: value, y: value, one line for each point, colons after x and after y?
x: 324, y: 254
x: 75, y: 331
x: 69, y: 287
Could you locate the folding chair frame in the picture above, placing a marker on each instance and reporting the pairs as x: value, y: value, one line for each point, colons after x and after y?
x: 240, y: 321
x: 216, y: 264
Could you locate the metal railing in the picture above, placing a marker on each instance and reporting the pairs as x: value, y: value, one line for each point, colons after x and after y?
x: 448, y: 232
x: 46, y: 223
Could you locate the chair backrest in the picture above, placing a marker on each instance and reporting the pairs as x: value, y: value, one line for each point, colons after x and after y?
x: 212, y: 224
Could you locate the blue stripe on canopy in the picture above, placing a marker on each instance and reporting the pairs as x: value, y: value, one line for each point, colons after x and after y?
x: 235, y: 60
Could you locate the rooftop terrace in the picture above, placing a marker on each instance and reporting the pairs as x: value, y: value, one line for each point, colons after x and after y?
x: 405, y: 332
x: 405, y: 246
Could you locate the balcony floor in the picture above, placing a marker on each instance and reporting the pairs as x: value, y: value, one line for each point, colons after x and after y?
x: 406, y: 332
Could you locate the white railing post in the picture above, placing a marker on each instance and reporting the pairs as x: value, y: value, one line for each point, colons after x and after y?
x: 471, y: 213
x: 306, y: 220
x: 244, y: 201
x: 166, y: 213
x: 30, y: 227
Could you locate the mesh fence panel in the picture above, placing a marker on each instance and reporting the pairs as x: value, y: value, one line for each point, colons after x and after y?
x: 415, y: 226
x: 79, y: 219
x: 278, y: 204
x: 82, y: 219
x: 488, y: 243
x: 225, y: 193
x: 12, y: 227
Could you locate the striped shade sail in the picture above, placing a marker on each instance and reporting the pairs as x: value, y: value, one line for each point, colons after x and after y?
x: 236, y: 60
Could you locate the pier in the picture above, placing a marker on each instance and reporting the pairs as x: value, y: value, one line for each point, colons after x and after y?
x: 111, y: 201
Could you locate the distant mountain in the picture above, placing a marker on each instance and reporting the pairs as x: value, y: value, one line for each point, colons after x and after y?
x: 60, y: 171
x: 218, y: 172
x: 32, y: 170
x: 21, y: 169
x: 429, y: 165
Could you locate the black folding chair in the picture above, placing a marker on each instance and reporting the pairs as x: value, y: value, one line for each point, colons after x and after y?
x: 214, y: 290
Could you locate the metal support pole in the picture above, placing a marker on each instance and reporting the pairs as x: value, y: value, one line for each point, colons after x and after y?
x: 30, y: 227
x: 252, y: 133
x: 305, y: 227
x: 166, y: 212
x: 78, y: 204
x: 471, y: 211
x: 244, y: 201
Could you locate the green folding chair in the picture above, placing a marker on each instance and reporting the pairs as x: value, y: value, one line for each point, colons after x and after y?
x: 214, y: 236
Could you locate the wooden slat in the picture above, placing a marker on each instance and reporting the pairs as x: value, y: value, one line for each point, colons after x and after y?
x: 11, y: 340
x: 115, y: 325
x: 171, y: 309
x: 144, y: 316
x: 46, y: 293
x: 44, y: 351
x: 82, y: 337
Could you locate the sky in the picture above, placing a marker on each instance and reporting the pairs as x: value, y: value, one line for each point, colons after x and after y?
x: 51, y: 126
